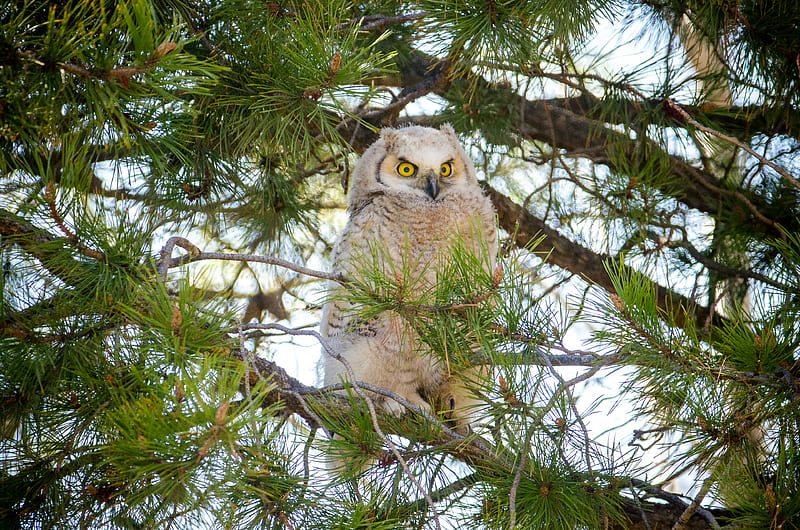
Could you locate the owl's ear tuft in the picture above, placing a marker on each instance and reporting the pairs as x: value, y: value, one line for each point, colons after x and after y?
x: 388, y: 136
x: 448, y: 130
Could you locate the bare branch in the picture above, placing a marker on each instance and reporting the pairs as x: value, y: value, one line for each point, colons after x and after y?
x: 370, y: 406
x: 683, y: 520
x: 721, y: 268
x: 195, y: 254
x: 673, y: 106
x: 474, y: 451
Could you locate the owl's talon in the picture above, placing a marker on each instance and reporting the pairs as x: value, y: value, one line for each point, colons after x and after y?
x: 393, y: 407
x: 396, y: 409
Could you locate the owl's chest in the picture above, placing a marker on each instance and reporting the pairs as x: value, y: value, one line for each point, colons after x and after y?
x: 424, y: 227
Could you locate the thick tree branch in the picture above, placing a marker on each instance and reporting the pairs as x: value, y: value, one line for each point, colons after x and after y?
x: 293, y: 395
x: 579, y: 135
x: 745, y: 121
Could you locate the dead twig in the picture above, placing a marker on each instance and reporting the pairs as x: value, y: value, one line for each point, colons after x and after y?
x: 195, y: 254
x: 672, y: 106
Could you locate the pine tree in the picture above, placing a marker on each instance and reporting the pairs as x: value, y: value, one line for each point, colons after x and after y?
x: 172, y: 175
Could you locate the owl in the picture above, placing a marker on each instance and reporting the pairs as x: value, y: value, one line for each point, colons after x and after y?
x: 413, y: 195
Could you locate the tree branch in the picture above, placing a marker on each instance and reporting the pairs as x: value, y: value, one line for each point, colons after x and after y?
x: 474, y: 451
x: 122, y: 75
x: 673, y: 106
x: 557, y: 125
x: 587, y: 265
x: 43, y: 246
x: 194, y: 254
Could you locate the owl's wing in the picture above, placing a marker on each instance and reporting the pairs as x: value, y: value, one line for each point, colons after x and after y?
x: 351, y: 254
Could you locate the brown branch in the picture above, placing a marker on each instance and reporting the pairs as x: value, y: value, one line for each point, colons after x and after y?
x: 360, y: 136
x: 683, y: 521
x: 724, y: 271
x: 166, y: 254
x: 474, y: 451
x: 589, y: 139
x: 748, y: 120
x: 579, y: 135
x: 675, y: 507
x: 380, y: 22
x: 121, y: 75
x: 43, y: 246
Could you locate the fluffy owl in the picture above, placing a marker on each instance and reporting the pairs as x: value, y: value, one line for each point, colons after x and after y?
x: 413, y: 194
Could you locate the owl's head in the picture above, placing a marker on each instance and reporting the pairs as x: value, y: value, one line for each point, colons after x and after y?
x: 420, y: 162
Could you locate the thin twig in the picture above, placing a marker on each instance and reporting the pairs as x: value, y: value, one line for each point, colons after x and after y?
x: 642, y: 513
x: 512, y: 493
x: 709, y: 263
x: 442, y: 493
x: 50, y: 198
x: 673, y: 106
x: 683, y: 520
x: 307, y: 459
x: 168, y: 262
x: 563, y: 387
x: 316, y: 419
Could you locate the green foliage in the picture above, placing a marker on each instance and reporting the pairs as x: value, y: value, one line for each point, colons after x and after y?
x: 516, y: 32
x: 641, y: 329
x: 549, y: 499
x: 292, y: 67
x: 156, y: 417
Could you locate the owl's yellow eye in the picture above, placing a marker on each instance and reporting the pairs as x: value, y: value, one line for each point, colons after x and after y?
x: 406, y: 169
x: 446, y: 169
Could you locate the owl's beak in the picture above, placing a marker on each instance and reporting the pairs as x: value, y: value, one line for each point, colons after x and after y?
x: 432, y: 185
